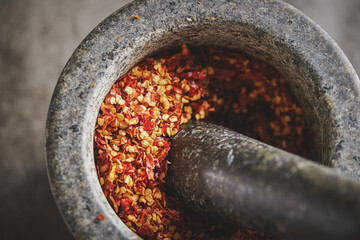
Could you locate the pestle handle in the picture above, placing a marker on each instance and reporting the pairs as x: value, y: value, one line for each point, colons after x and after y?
x: 223, y: 174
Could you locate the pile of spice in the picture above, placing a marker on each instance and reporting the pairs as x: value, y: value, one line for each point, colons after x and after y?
x: 146, y: 107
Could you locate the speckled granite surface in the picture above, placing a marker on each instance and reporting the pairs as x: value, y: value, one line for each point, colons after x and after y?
x: 37, y: 38
x: 318, y: 73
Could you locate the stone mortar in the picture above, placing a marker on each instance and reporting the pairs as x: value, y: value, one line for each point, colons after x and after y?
x: 316, y: 70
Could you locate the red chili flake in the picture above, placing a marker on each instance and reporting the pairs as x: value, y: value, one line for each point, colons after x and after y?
x: 136, y: 16
x: 146, y: 47
x: 94, y: 85
x: 100, y: 217
x: 103, y: 158
x: 194, y: 75
x: 118, y: 38
x: 145, y: 232
x: 149, y: 167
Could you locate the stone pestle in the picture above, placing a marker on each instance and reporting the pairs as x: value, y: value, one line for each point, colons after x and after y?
x: 230, y: 177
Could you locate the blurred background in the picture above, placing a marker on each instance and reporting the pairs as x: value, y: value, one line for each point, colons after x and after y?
x: 37, y: 37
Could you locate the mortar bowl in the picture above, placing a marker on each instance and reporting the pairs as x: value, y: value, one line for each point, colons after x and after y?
x: 316, y: 70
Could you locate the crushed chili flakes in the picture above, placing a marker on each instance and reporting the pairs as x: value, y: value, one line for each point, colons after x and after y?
x: 94, y: 85
x: 136, y: 16
x: 118, y: 38
x: 147, y: 106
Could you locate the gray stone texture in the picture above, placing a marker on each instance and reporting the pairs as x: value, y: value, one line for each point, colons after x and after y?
x: 37, y: 38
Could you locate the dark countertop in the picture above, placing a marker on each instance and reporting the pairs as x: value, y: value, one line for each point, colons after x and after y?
x: 37, y: 38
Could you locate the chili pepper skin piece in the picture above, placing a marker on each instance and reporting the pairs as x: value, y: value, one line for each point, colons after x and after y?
x: 100, y: 217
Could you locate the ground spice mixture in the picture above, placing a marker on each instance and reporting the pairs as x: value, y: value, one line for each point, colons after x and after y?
x: 147, y: 106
